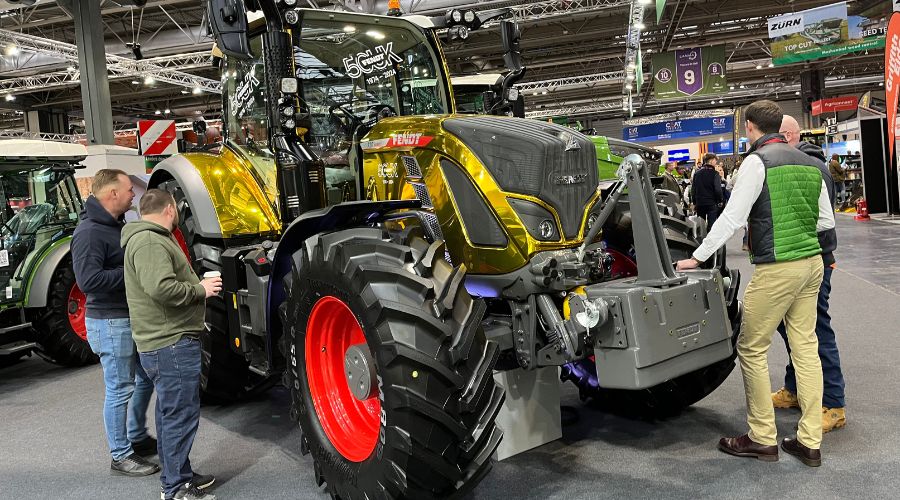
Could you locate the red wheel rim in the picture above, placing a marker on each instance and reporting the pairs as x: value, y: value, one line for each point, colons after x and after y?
x: 75, y: 311
x: 179, y: 237
x: 623, y: 266
x: 350, y: 424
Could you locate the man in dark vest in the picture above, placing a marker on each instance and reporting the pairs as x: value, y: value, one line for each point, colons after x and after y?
x: 782, y: 197
x: 833, y: 415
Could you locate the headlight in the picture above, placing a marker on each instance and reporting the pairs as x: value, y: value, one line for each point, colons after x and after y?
x: 537, y: 220
x: 291, y: 17
x: 469, y: 16
x: 287, y: 111
x: 513, y: 94
x: 289, y: 123
x: 456, y: 16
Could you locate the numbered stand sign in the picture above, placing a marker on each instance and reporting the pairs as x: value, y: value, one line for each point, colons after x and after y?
x: 690, y: 72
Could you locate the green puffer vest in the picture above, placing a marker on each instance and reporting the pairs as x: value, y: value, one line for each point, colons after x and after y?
x: 783, y: 219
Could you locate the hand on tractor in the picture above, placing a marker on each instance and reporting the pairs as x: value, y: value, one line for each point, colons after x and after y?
x: 686, y: 264
x: 212, y: 286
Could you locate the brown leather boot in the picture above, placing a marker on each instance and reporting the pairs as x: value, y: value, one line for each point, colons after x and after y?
x: 743, y: 446
x: 808, y: 456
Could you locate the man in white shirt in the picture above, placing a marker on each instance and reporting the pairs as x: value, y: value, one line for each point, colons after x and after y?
x: 781, y: 196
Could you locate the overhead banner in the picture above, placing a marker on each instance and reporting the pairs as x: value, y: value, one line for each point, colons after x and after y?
x: 677, y: 129
x: 690, y: 72
x: 892, y: 75
x: 834, y: 104
x: 827, y: 31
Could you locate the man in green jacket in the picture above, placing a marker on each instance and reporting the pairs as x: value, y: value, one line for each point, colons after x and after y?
x: 167, y: 305
x: 783, y: 198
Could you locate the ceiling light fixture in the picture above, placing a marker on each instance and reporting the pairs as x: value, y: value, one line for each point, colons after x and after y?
x: 157, y: 112
x: 11, y: 50
x: 10, y: 97
x: 167, y: 111
x: 149, y: 80
x: 639, y: 26
x: 771, y: 65
x: 197, y: 90
x: 759, y: 66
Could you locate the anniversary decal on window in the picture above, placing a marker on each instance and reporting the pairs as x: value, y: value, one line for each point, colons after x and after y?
x: 243, y: 94
x: 367, y: 62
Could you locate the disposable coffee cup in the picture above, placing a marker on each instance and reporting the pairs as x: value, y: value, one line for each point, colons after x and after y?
x: 213, y: 274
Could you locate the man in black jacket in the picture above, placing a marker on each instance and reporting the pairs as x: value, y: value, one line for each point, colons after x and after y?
x: 98, y: 259
x: 833, y: 415
x: 706, y: 190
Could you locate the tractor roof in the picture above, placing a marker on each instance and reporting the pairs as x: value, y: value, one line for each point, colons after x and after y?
x: 31, y: 150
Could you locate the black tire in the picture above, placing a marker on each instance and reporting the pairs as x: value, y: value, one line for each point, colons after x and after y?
x: 438, y: 395
x: 53, y: 332
x: 673, y: 396
x: 224, y: 375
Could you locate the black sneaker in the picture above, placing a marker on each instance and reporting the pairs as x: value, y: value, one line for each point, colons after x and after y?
x: 145, y: 447
x: 190, y: 492
x: 200, y: 481
x: 134, y: 465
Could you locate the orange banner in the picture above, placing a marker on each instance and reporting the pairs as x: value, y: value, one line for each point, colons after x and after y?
x: 892, y: 75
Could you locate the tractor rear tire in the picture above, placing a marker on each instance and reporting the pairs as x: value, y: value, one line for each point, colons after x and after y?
x: 59, y: 328
x: 224, y: 375
x: 426, y: 428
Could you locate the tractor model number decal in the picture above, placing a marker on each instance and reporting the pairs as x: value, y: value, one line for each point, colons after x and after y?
x: 367, y: 62
x: 404, y: 140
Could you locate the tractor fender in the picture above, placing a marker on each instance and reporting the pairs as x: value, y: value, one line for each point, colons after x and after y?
x: 182, y: 169
x: 325, y: 220
x: 39, y: 284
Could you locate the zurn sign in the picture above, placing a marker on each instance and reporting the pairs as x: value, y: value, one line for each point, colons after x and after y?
x: 787, y: 24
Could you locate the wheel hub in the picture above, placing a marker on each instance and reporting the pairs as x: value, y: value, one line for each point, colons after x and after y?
x: 359, y: 365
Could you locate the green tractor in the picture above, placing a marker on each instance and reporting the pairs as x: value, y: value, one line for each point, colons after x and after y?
x: 384, y: 256
x: 42, y: 307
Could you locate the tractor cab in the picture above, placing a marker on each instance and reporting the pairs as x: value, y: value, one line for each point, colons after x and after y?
x: 39, y: 206
x: 352, y: 71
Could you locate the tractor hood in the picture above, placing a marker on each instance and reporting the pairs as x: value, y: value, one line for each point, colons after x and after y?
x: 553, y: 163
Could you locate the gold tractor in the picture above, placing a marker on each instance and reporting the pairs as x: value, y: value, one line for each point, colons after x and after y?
x: 386, y: 256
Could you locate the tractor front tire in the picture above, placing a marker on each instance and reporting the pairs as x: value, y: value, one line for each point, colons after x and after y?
x: 424, y: 428
x: 59, y: 328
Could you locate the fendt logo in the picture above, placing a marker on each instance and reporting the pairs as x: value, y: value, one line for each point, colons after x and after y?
x: 566, y: 180
x: 407, y: 139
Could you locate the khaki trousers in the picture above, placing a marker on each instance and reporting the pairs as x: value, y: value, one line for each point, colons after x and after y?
x: 787, y: 290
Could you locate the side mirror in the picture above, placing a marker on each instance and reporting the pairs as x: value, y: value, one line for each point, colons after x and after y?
x: 510, y: 36
x: 228, y: 19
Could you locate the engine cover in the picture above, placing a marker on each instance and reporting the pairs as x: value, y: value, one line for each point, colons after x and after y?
x: 530, y: 157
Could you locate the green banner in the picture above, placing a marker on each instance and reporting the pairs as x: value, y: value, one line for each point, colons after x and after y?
x: 660, y: 6
x: 690, y: 72
x: 817, y: 34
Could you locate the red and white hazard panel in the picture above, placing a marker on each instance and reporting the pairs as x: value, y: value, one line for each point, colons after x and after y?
x: 157, y: 137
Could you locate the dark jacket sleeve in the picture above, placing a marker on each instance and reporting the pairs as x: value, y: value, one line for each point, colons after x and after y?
x: 717, y: 187
x: 88, y: 257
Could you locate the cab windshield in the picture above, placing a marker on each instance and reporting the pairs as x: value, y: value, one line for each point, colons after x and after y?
x: 354, y: 70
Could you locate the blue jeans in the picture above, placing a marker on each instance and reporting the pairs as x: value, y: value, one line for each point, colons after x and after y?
x: 833, y: 395
x: 175, y: 371
x: 125, y: 380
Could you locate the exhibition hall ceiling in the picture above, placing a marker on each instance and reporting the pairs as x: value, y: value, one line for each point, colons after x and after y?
x: 574, y: 51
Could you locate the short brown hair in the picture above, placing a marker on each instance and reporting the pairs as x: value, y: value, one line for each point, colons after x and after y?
x: 709, y: 157
x: 105, y: 177
x: 766, y: 115
x: 154, y: 201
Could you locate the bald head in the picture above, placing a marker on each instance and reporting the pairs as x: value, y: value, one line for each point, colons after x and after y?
x: 790, y: 129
